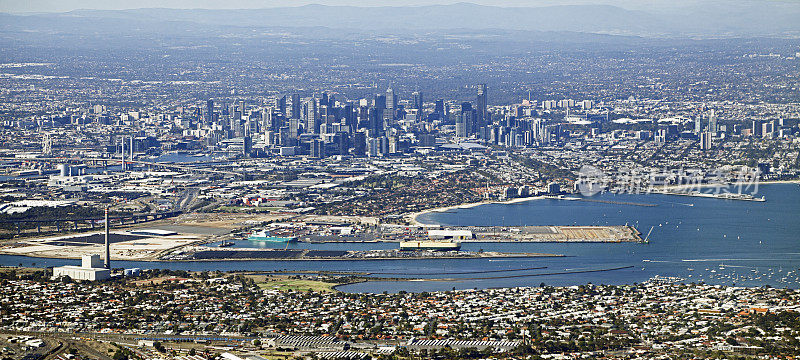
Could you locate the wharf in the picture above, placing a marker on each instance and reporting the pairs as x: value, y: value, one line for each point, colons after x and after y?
x: 214, y: 254
x: 554, y: 234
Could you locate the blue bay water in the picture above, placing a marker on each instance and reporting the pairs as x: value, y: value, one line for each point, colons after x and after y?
x: 722, y: 241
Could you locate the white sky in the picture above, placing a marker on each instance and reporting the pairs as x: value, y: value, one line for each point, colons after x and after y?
x: 21, y: 6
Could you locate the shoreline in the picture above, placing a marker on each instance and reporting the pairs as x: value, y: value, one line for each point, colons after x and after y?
x: 412, y: 217
x: 487, y: 255
x: 703, y: 186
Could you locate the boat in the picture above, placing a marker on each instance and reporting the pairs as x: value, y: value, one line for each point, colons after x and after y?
x: 263, y: 235
x: 430, y: 245
x: 225, y: 244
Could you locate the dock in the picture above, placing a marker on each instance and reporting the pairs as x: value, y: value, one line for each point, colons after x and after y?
x: 202, y: 253
x: 554, y: 234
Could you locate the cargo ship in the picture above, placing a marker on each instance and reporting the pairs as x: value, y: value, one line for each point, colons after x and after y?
x: 430, y: 245
x: 263, y: 235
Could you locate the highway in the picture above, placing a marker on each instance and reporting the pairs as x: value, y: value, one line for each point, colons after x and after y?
x: 184, y: 168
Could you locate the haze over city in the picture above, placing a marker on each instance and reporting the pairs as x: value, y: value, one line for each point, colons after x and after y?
x: 412, y: 179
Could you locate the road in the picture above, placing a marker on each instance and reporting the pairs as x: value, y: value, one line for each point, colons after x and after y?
x: 187, y: 198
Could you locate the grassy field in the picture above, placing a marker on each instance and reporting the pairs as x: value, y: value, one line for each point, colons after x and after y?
x: 283, y: 283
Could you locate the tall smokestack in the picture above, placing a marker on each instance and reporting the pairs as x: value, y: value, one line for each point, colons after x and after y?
x: 108, y: 247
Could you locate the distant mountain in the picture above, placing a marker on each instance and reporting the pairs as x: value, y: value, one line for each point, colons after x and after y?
x: 736, y: 18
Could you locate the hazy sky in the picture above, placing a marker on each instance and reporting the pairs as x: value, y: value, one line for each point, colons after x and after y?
x: 17, y: 6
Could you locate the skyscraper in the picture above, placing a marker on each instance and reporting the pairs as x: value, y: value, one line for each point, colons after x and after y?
x: 391, y: 104
x: 698, y: 125
x: 705, y: 140
x: 481, y: 112
x: 312, y: 117
x: 359, y: 144
x: 295, y: 106
x: 268, y: 122
x: 282, y: 105
x: 209, y: 111
x: 439, y: 110
x: 317, y: 149
x: 417, y: 101
x: 465, y: 122
x: 390, y: 98
x: 712, y: 122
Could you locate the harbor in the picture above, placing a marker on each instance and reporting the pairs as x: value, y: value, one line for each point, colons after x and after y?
x: 680, y: 244
x: 212, y: 254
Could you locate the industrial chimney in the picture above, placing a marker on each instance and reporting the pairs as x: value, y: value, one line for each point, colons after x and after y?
x: 108, y: 247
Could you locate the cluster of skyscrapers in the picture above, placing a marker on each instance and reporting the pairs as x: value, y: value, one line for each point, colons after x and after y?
x: 321, y: 126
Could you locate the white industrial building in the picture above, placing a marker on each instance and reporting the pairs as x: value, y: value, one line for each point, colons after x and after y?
x: 451, y: 234
x: 91, y: 269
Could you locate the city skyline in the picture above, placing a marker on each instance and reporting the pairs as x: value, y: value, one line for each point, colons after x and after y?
x: 555, y: 179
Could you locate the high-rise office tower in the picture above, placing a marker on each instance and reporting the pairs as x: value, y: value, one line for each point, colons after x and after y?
x: 712, y: 122
x: 312, y: 117
x: 469, y: 118
x: 324, y: 100
x: 417, y: 101
x: 268, y: 122
x: 755, y: 129
x: 295, y: 106
x: 359, y: 144
x: 391, y: 104
x: 209, y: 111
x: 767, y: 129
x: 380, y: 105
x: 440, y: 111
x: 247, y: 145
x: 318, y: 149
x: 235, y: 111
x: 698, y: 125
x: 294, y: 128
x: 342, y: 141
x: 249, y: 127
x: 379, y: 102
x: 481, y: 112
x: 349, y: 116
x: 481, y: 106
x: 705, y: 140
x: 375, y: 120
x: 282, y: 105
x: 390, y: 99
